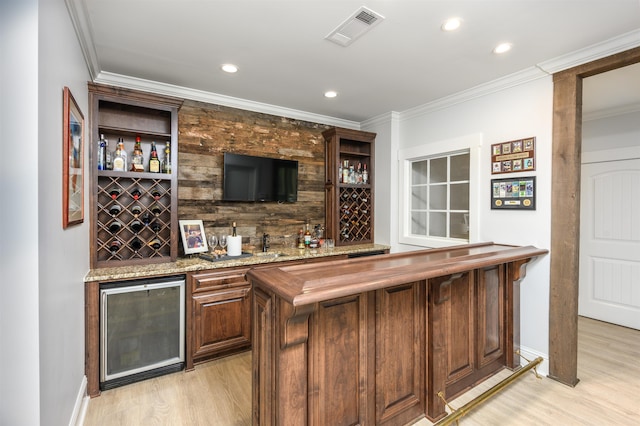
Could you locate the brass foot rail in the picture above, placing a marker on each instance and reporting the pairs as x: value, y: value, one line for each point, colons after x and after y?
x: 455, y: 415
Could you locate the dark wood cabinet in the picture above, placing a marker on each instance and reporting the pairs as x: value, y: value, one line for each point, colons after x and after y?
x: 220, y: 314
x: 349, y: 200
x: 133, y: 214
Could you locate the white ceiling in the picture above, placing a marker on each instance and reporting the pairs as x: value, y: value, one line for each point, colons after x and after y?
x: 404, y: 62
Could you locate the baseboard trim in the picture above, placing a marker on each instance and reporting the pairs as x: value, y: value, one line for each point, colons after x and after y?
x: 531, y: 354
x: 81, y: 405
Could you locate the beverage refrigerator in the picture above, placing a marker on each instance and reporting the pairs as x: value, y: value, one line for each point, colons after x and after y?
x: 142, y: 329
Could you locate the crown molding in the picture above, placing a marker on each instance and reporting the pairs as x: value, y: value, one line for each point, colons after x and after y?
x: 81, y: 24
x: 592, y: 53
x: 128, y: 82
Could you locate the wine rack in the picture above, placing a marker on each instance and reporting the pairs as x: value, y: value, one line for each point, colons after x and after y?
x: 349, y: 201
x: 134, y: 214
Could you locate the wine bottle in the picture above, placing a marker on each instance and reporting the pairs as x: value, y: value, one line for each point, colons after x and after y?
x: 156, y: 194
x: 136, y: 226
x: 154, y: 161
x: 166, y: 164
x: 155, y: 227
x: 136, y: 210
x: 136, y: 194
x: 114, y: 246
x: 102, y: 147
x: 233, y: 231
x: 136, y: 244
x: 155, y: 243
x: 115, y: 209
x: 156, y: 209
x: 115, y: 226
x: 146, y: 219
x: 114, y: 192
x: 137, y: 161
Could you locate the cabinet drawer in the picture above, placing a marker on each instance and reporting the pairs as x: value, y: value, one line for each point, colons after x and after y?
x: 225, y: 278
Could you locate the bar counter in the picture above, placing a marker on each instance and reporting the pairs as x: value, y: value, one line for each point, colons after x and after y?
x: 374, y: 340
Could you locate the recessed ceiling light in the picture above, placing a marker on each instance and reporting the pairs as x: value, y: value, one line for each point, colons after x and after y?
x: 230, y: 68
x: 451, y: 24
x: 330, y: 94
x: 502, y: 48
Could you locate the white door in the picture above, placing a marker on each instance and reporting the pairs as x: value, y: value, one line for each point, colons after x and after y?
x: 610, y: 242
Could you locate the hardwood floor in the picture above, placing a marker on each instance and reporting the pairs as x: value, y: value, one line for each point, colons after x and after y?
x: 219, y: 392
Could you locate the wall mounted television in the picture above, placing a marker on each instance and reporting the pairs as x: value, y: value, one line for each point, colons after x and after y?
x: 259, y: 179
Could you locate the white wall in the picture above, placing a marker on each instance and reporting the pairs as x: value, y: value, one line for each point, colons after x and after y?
x: 515, y: 113
x: 42, y: 299
x: 19, y: 328
x: 611, y: 132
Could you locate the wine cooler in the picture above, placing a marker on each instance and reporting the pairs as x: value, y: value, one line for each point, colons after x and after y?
x: 142, y: 330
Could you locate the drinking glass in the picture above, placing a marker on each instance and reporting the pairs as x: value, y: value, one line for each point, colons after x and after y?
x: 223, y: 242
x: 213, y: 242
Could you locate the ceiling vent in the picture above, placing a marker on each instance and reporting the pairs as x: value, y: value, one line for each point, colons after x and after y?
x: 361, y: 21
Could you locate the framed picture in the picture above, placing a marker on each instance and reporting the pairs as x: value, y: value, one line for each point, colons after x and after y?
x: 513, y: 156
x: 72, y: 162
x: 513, y: 194
x: 193, y: 238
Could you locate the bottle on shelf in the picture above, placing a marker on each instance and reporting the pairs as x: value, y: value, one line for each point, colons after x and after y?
x: 115, y: 209
x: 155, y: 194
x: 166, y: 164
x: 114, y: 246
x: 119, y: 161
x: 136, y: 210
x: 156, y: 209
x: 154, y: 161
x: 102, y: 147
x: 115, y: 226
x: 108, y: 158
x: 155, y: 227
x: 136, y: 244
x: 124, y: 153
x: 359, y: 173
x: 146, y: 219
x: 137, y: 160
x: 365, y: 174
x: 136, y: 194
x: 114, y: 192
x: 345, y: 171
x: 136, y: 226
x: 340, y: 172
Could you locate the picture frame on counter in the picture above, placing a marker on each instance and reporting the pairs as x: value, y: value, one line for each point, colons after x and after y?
x: 72, y: 161
x: 193, y: 236
x: 517, y: 193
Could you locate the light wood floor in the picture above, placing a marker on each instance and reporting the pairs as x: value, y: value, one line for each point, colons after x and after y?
x: 219, y: 392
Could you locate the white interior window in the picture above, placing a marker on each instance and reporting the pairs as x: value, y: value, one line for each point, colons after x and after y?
x: 439, y: 195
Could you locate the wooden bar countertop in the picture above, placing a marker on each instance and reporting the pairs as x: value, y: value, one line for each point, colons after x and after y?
x: 307, y: 284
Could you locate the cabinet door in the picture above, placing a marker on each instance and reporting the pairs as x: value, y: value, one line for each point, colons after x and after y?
x: 222, y: 322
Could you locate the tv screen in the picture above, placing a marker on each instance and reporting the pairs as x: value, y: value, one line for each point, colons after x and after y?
x: 251, y: 178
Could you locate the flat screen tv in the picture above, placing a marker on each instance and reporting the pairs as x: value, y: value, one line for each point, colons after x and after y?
x: 259, y: 179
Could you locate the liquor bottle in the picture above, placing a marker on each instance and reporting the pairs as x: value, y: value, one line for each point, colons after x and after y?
x: 115, y: 209
x: 307, y: 235
x: 115, y: 226
x: 124, y: 153
x: 114, y: 246
x: 300, y: 239
x: 136, y: 194
x: 114, y: 192
x: 136, y: 244
x: 233, y: 231
x: 108, y: 158
x: 136, y: 226
x: 359, y: 173
x: 154, y: 161
x: 136, y: 210
x: 340, y: 172
x: 119, y: 162
x: 352, y: 175
x: 137, y: 161
x: 365, y: 174
x: 102, y: 147
x: 345, y: 172
x: 166, y: 164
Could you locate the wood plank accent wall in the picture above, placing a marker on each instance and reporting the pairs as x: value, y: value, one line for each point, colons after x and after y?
x: 206, y: 131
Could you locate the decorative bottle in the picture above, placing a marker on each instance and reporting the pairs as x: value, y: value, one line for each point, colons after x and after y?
x: 102, y: 147
x: 154, y: 161
x: 365, y: 174
x: 166, y: 164
x: 119, y: 162
x: 137, y: 161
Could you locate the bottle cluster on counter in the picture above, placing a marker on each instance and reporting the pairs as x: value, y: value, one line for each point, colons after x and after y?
x: 119, y: 160
x: 353, y: 173
x: 310, y: 239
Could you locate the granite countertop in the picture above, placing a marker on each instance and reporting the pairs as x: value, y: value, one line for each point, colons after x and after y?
x: 192, y: 264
